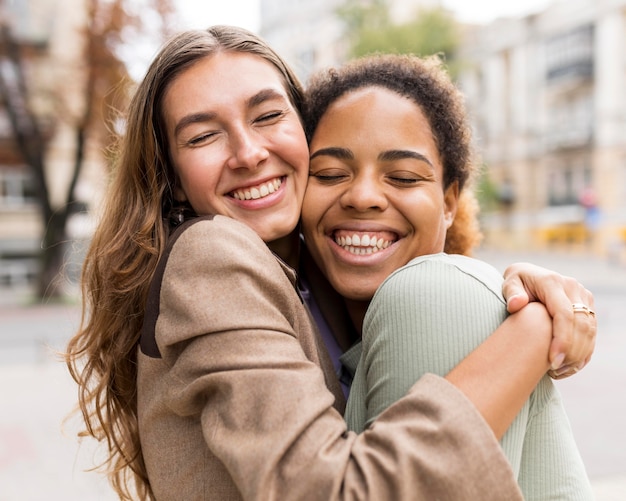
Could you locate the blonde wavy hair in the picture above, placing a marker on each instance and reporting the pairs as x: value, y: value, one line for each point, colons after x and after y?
x: 124, y: 251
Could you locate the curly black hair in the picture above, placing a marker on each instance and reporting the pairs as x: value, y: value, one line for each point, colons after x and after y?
x: 423, y: 80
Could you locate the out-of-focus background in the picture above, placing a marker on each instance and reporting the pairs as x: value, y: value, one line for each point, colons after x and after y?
x: 545, y: 85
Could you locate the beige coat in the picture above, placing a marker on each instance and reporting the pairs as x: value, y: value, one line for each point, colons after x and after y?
x: 239, y: 406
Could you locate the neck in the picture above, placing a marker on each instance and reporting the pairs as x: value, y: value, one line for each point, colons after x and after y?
x: 287, y: 248
x: 356, y: 311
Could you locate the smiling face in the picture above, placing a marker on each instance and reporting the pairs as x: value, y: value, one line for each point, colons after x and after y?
x: 375, y: 198
x: 237, y: 143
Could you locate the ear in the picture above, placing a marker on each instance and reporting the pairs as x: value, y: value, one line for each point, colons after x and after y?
x: 451, y: 203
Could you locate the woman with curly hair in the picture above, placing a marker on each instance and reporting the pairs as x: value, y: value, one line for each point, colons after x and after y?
x: 390, y: 159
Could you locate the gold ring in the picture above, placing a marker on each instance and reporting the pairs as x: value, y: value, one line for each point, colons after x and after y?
x: 582, y: 308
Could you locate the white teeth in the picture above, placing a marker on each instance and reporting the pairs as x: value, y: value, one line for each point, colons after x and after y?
x: 257, y: 192
x: 362, y: 245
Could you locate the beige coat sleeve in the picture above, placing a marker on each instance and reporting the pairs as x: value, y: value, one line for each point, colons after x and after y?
x: 233, y: 333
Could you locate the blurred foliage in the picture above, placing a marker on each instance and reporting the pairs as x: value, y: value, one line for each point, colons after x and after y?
x: 371, y: 30
x: 77, y: 94
x: 487, y: 192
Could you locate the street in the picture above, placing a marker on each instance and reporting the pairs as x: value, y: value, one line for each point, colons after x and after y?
x: 40, y: 456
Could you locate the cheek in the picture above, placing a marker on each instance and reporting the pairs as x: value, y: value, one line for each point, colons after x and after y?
x: 317, y: 217
x: 308, y: 212
x: 199, y: 183
x: 294, y: 147
x: 427, y: 215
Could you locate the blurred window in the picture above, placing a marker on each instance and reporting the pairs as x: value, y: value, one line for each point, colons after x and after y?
x: 567, y: 180
x: 570, y: 54
x: 17, y: 189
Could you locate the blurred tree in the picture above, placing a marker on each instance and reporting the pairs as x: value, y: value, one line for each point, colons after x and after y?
x: 371, y: 29
x: 487, y: 191
x: 82, y: 99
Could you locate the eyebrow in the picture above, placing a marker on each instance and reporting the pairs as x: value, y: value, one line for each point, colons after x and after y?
x: 193, y: 118
x: 401, y: 154
x: 335, y: 151
x: 264, y: 95
x: 385, y: 156
x: 258, y: 98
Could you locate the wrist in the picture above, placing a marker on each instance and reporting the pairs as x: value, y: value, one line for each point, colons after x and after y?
x: 532, y: 328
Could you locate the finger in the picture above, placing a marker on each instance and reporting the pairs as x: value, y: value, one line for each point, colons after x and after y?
x: 513, y: 288
x: 573, y: 339
x: 577, y: 342
x: 570, y: 337
x: 568, y: 370
x: 516, y: 301
x: 585, y: 332
x: 563, y: 372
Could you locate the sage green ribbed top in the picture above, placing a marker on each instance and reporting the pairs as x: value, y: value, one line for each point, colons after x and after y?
x: 426, y: 317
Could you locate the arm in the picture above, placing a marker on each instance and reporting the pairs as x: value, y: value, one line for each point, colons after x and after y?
x: 551, y: 467
x: 574, y: 334
x: 512, y: 360
x: 238, y: 367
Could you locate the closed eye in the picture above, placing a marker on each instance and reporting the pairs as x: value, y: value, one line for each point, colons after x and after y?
x: 405, y: 180
x: 270, y: 117
x: 202, y: 138
x: 328, y: 177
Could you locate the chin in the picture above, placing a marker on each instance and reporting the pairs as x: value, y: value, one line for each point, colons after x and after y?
x: 360, y: 294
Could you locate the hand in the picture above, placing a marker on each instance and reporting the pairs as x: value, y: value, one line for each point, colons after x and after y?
x: 574, y: 333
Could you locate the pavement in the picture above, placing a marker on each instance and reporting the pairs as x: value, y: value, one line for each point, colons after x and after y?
x: 41, y: 456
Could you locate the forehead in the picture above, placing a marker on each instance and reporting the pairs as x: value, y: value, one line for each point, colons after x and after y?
x: 386, y: 105
x: 373, y: 122
x: 220, y: 80
x: 374, y: 109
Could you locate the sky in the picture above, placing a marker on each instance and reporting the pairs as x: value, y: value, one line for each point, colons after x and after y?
x: 245, y: 13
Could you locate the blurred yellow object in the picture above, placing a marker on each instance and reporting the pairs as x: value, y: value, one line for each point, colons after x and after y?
x: 567, y: 233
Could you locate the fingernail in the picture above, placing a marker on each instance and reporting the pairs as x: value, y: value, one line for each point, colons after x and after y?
x: 558, y: 361
x: 565, y: 369
x: 511, y: 298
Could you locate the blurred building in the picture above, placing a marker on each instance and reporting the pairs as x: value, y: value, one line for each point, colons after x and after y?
x: 547, y: 97
x: 48, y: 34
x: 311, y: 35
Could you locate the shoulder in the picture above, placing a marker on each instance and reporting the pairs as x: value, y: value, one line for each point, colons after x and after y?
x: 204, y: 256
x: 446, y: 270
x: 215, y: 244
x: 213, y: 232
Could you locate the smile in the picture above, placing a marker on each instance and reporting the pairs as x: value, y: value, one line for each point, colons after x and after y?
x: 363, y: 244
x: 259, y: 191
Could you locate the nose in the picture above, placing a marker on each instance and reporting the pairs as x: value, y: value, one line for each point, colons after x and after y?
x: 247, y: 150
x: 365, y: 192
